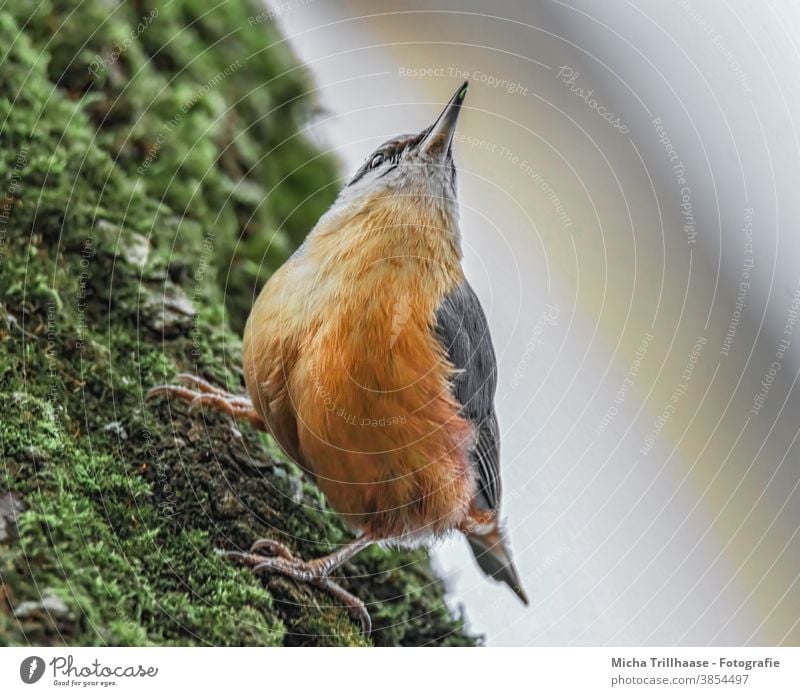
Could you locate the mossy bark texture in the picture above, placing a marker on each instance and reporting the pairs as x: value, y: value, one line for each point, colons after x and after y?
x: 154, y: 171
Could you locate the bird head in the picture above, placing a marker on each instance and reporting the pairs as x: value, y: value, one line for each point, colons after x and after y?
x: 417, y: 169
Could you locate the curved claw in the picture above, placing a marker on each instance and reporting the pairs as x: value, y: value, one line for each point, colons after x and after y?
x: 302, y: 571
x: 355, y: 606
x: 362, y: 615
x: 274, y: 547
x: 237, y: 406
x: 157, y: 391
x: 202, y: 384
x: 309, y: 572
x: 198, y: 402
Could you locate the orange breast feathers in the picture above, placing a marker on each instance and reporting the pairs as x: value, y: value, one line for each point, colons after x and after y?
x: 341, y: 362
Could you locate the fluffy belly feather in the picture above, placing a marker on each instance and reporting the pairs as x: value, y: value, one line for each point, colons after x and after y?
x: 381, y: 434
x: 341, y: 361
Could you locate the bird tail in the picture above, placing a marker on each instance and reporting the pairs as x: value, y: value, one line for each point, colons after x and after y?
x: 494, y: 558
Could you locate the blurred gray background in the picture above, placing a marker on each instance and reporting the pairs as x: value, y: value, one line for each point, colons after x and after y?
x: 628, y: 186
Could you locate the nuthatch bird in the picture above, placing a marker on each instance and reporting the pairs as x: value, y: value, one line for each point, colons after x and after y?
x: 368, y: 358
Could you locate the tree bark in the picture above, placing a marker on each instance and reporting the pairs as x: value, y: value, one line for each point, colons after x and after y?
x: 154, y: 173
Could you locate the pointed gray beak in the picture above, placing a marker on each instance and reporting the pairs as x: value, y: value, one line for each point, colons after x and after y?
x: 440, y: 134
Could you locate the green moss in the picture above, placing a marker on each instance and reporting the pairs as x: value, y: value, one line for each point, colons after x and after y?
x: 139, y: 193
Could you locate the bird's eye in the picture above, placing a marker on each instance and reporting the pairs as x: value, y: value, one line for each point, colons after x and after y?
x: 376, y: 161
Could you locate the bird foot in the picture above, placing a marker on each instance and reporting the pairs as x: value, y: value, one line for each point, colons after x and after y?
x: 315, y: 573
x: 237, y: 406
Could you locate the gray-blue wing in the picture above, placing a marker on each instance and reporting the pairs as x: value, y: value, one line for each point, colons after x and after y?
x: 463, y: 331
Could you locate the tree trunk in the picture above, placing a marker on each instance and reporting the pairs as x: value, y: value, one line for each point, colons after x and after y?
x: 154, y: 173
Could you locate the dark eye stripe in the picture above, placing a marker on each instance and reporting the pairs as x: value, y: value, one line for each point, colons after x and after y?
x: 392, y: 152
x: 392, y: 157
x: 394, y: 166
